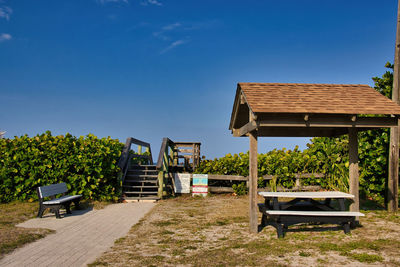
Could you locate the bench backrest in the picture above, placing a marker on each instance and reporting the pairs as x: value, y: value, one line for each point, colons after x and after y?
x: 51, y: 190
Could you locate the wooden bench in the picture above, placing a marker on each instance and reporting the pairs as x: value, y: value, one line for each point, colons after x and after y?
x: 54, y: 204
x: 281, y: 219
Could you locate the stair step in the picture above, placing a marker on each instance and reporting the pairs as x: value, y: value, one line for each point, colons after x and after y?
x: 144, y: 167
x: 141, y: 176
x: 135, y: 172
x: 140, y: 181
x: 140, y: 186
x: 143, y: 198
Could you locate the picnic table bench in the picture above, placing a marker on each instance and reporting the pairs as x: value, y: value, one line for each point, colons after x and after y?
x: 54, y: 204
x: 304, y: 208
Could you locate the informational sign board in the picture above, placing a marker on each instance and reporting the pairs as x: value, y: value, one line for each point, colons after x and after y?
x: 200, y: 185
x: 182, y: 183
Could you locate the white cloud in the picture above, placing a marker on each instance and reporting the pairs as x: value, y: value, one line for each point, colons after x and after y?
x: 5, y: 12
x: 150, y: 2
x: 173, y: 45
x: 5, y: 37
x: 162, y: 34
x: 171, y: 26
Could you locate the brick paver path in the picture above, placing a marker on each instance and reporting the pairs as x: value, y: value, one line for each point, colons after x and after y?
x: 79, y: 239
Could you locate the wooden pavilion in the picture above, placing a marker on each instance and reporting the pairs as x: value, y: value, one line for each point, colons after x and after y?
x: 309, y: 110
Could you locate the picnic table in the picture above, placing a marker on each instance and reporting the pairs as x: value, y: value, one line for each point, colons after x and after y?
x: 306, y: 207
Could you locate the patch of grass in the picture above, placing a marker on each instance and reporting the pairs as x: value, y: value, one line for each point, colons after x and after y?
x: 166, y: 232
x: 304, y: 254
x: 365, y: 257
x: 120, y: 240
x: 12, y: 237
x: 164, y: 223
x: 221, y: 222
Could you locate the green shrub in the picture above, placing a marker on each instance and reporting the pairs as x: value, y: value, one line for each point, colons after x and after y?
x: 239, y: 189
x: 86, y: 164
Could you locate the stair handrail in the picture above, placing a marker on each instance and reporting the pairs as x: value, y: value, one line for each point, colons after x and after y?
x: 163, y: 158
x: 126, y: 156
x: 164, y: 162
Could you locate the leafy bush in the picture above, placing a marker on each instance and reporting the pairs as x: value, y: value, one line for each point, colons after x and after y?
x: 240, y: 189
x: 86, y: 164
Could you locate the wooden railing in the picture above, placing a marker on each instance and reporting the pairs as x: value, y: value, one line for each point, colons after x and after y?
x: 190, y: 153
x: 127, y: 155
x: 168, y: 160
x: 165, y: 162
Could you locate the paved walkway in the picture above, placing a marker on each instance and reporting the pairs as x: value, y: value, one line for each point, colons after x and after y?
x: 79, y: 238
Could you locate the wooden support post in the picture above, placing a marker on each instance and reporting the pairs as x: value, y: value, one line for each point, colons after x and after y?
x: 392, y: 197
x: 175, y: 156
x: 139, y: 150
x: 253, y: 176
x: 393, y: 179
x: 353, y: 169
x: 160, y: 184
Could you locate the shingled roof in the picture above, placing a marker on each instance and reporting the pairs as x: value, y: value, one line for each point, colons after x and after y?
x: 316, y: 98
x: 297, y: 109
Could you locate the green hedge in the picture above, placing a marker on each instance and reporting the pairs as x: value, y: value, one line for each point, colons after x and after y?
x: 88, y: 165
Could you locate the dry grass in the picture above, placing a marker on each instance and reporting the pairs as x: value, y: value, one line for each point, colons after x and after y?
x: 11, y: 214
x: 214, y: 232
x: 11, y: 236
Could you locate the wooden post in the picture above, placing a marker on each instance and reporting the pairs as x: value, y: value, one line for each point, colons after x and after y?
x: 160, y: 183
x: 393, y: 179
x: 253, y: 176
x: 353, y: 169
x: 139, y: 150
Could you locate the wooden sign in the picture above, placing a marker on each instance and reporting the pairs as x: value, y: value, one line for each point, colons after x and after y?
x: 200, y: 185
x: 182, y: 183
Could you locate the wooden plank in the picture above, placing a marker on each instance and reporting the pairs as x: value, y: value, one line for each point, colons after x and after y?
x: 247, y: 128
x: 335, y: 122
x: 309, y: 175
x: 220, y: 189
x: 301, y: 131
x: 185, y: 156
x: 313, y: 213
x: 185, y: 150
x: 353, y: 169
x: 323, y: 194
x: 268, y: 177
x: 227, y: 177
x: 138, y: 142
x: 253, y: 174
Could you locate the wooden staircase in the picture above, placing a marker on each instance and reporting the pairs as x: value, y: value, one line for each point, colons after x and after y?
x: 142, y: 180
x: 141, y: 183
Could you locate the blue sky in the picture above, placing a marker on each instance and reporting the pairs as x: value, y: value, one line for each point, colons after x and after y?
x: 161, y: 68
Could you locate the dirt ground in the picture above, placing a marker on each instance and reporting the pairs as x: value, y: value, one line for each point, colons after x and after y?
x: 188, y: 231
